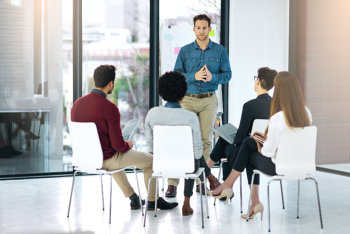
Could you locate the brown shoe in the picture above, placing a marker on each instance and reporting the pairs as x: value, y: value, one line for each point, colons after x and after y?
x: 203, y: 190
x: 213, y: 181
x: 186, y: 208
x: 171, y: 191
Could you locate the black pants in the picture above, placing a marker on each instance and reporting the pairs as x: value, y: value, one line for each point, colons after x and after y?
x: 249, y: 158
x: 188, y: 190
x: 222, y: 149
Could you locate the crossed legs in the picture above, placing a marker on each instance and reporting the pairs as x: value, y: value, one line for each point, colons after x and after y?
x: 248, y: 158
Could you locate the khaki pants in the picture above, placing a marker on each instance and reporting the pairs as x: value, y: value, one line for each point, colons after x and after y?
x: 206, y: 110
x: 135, y: 158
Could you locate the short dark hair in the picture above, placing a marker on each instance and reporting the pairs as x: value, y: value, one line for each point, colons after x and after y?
x: 172, y: 86
x: 266, y: 77
x: 103, y: 74
x: 201, y: 17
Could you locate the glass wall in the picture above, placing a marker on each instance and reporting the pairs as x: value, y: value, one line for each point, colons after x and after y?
x: 117, y: 32
x: 34, y: 66
x: 67, y: 79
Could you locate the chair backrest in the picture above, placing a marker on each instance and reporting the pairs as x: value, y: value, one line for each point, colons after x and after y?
x: 295, y: 158
x: 130, y: 128
x: 173, y: 154
x: 86, y: 146
x: 259, y: 125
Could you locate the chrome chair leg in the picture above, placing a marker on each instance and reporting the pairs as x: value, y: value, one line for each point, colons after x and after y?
x: 110, y: 199
x: 138, y: 190
x: 250, y: 196
x: 149, y: 184
x: 268, y: 204
x: 206, y: 193
x: 318, y: 201
x: 71, y: 193
x: 282, y: 194
x: 240, y: 192
x: 298, y: 201
x: 103, y: 203
x: 200, y: 192
x: 155, y: 198
x: 220, y: 168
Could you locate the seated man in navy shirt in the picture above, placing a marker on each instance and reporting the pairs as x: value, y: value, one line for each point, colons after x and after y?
x: 117, y: 153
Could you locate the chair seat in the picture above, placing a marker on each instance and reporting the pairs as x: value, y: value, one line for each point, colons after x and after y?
x: 224, y: 160
x: 174, y: 175
x: 101, y: 171
x: 282, y: 177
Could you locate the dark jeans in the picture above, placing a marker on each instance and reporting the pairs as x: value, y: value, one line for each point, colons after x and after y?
x: 188, y: 190
x: 249, y: 158
x: 223, y: 149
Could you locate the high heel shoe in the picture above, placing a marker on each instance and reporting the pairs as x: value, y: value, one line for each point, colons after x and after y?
x: 224, y: 193
x: 224, y: 198
x: 259, y: 208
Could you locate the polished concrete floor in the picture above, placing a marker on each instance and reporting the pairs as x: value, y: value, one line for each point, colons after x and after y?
x: 342, y: 168
x: 40, y: 206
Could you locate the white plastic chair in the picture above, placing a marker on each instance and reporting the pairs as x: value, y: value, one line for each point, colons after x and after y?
x: 295, y: 160
x: 130, y: 128
x: 258, y: 125
x: 88, y: 158
x: 173, y: 157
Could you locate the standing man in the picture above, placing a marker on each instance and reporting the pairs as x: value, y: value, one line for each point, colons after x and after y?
x: 117, y: 153
x: 205, y: 64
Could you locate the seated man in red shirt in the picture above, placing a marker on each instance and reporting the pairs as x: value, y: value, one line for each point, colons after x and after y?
x: 117, y: 153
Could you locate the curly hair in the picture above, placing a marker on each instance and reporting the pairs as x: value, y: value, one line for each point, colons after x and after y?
x: 172, y: 86
x: 103, y: 74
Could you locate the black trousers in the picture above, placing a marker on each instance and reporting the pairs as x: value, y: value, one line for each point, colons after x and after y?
x: 249, y: 158
x: 222, y: 149
x: 188, y: 190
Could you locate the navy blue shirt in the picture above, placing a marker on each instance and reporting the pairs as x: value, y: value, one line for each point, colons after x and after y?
x: 191, y: 59
x: 99, y: 91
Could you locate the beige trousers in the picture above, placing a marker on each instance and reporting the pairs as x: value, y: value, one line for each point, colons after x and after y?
x: 206, y: 110
x: 135, y: 158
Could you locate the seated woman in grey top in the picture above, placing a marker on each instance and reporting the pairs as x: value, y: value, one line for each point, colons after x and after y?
x: 172, y: 88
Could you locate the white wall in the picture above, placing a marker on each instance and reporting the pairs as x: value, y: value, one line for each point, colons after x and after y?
x: 258, y: 38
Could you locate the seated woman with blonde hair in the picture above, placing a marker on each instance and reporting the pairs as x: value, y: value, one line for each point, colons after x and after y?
x: 287, y: 111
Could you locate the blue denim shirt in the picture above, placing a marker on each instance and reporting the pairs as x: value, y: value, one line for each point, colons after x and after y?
x: 191, y: 59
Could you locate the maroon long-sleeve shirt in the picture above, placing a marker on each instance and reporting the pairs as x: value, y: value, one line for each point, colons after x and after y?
x: 94, y: 107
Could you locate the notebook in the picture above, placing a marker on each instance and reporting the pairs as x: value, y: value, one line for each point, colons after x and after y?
x: 130, y: 129
x: 226, y: 132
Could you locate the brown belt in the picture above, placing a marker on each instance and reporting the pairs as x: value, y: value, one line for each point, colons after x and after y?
x: 200, y: 95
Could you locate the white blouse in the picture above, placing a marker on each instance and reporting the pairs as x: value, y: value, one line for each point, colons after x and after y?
x: 277, y: 124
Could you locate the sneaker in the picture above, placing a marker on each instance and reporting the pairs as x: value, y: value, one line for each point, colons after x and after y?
x: 135, y: 202
x: 161, y: 204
